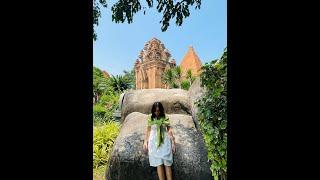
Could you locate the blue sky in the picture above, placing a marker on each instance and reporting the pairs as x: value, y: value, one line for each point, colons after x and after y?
x: 119, y: 45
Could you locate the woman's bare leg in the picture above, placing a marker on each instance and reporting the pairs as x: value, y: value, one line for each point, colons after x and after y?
x: 168, y: 172
x: 160, y: 171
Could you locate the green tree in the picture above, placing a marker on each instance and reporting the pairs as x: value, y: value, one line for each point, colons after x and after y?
x: 97, y: 14
x: 119, y: 83
x: 178, y: 75
x: 185, y: 85
x: 169, y: 78
x: 124, y: 10
x: 99, y: 82
x: 130, y: 75
x: 212, y: 114
x: 190, y: 77
x: 173, y: 78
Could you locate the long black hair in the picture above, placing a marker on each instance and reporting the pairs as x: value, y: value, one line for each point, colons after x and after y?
x: 153, y: 110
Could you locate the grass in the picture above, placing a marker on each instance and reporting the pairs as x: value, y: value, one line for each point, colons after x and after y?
x: 99, y: 173
x: 104, y: 136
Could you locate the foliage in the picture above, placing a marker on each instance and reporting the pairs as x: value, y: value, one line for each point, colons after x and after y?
x: 169, y: 78
x: 100, y: 83
x: 105, y: 129
x: 117, y: 84
x: 99, y: 110
x: 178, y: 75
x: 97, y: 72
x: 185, y: 85
x: 175, y: 86
x: 124, y: 10
x: 109, y: 100
x: 110, y: 103
x: 104, y: 99
x: 97, y: 14
x: 98, y: 120
x: 190, y: 77
x: 103, y: 140
x: 212, y: 114
x: 173, y: 78
x: 130, y: 75
x: 97, y: 75
x: 120, y: 83
x: 99, y: 173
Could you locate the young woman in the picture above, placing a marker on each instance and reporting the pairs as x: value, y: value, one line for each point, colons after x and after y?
x: 159, y: 142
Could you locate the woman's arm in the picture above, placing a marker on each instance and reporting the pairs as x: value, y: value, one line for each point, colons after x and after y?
x: 146, y: 137
x: 147, y: 134
x: 170, y: 132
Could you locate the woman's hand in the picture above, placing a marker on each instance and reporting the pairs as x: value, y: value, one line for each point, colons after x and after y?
x: 145, y: 147
x: 145, y: 142
x: 173, y: 142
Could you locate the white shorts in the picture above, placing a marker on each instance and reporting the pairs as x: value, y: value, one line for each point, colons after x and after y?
x: 154, y: 162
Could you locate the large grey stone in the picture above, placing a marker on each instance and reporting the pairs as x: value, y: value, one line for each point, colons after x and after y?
x: 128, y: 161
x: 194, y: 93
x: 175, y: 101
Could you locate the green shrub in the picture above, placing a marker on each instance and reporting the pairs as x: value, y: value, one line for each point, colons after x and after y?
x: 103, y: 140
x: 212, y: 114
x: 99, y: 110
x: 99, y: 173
x: 99, y: 82
x: 104, y: 99
x: 98, y: 120
x: 185, y: 85
x: 110, y: 102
